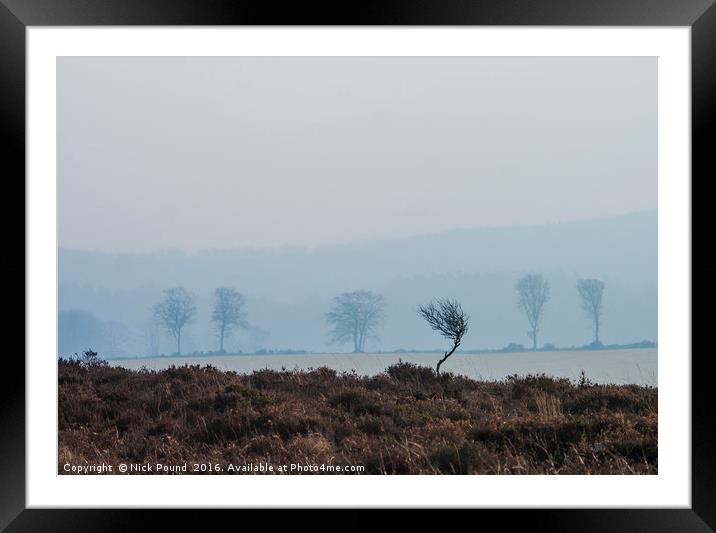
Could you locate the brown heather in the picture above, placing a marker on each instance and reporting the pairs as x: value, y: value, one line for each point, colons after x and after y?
x: 407, y: 420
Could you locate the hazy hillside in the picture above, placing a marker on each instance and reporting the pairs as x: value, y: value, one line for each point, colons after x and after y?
x: 289, y: 289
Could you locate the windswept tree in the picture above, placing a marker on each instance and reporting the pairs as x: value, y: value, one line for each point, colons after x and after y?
x: 447, y: 318
x: 533, y: 293
x: 229, y: 313
x: 175, y: 311
x: 590, y: 292
x: 354, y: 316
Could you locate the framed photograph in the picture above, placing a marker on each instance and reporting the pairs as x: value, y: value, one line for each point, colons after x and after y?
x: 434, y: 256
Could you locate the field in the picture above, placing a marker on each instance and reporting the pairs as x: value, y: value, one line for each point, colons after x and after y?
x: 405, y: 420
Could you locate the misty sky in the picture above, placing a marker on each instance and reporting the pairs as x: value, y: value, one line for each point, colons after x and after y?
x: 198, y: 153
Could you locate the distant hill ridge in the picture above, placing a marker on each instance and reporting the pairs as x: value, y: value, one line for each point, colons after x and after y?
x: 622, y: 247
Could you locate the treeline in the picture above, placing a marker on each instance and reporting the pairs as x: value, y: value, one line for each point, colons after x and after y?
x: 355, y: 317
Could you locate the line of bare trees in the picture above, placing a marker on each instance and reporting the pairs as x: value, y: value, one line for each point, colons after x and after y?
x: 533, y: 294
x: 177, y: 309
x: 355, y: 316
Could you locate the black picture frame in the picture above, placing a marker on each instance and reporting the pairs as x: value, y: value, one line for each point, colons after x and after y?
x: 16, y: 15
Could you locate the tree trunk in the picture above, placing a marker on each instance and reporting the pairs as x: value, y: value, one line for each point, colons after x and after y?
x: 221, y: 339
x: 596, y: 330
x: 179, y: 342
x: 534, y: 339
x: 447, y: 354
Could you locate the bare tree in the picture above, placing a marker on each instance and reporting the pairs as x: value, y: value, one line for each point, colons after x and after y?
x: 258, y: 339
x: 116, y: 336
x: 447, y: 318
x: 228, y: 313
x: 355, y: 316
x: 175, y: 311
x: 150, y: 332
x: 533, y: 293
x: 591, y: 291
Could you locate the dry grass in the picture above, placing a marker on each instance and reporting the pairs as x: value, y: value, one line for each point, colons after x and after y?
x: 407, y: 420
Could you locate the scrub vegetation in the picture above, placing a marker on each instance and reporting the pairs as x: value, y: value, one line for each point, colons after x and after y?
x: 407, y: 420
